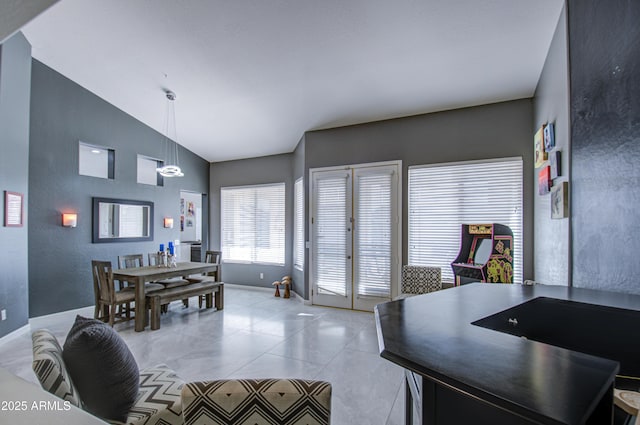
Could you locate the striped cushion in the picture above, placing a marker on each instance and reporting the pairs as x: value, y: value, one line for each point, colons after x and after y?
x: 158, y: 401
x: 50, y: 369
x: 257, y: 401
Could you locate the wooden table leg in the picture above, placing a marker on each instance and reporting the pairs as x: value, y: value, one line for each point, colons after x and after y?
x: 220, y: 297
x: 155, y: 312
x: 141, y: 310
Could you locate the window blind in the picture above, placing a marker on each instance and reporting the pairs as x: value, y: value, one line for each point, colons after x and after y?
x: 445, y: 196
x: 298, y: 224
x: 253, y: 223
x: 330, y: 239
x: 373, y: 234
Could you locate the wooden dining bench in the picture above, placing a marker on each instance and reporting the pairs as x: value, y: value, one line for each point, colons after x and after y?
x: 165, y: 296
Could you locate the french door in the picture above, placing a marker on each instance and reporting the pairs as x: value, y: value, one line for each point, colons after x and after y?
x: 355, y: 230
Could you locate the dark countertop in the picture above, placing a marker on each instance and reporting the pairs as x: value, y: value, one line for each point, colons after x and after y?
x: 433, y: 335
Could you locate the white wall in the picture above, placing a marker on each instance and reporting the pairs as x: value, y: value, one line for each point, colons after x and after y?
x: 191, y: 208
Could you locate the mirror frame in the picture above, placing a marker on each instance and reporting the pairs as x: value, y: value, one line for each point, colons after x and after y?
x: 96, y: 220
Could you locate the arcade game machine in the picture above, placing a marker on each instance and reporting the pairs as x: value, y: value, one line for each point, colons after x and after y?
x: 486, y: 254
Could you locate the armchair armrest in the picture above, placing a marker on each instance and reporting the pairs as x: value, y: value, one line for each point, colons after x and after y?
x: 231, y: 401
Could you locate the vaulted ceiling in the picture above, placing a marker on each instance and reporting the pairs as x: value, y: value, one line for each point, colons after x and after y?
x: 251, y: 76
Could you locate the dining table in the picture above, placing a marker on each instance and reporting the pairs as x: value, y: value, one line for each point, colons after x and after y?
x: 139, y: 276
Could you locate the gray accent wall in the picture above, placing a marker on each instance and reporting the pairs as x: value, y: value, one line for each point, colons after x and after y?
x: 15, y: 85
x: 604, y: 59
x: 490, y: 131
x: 63, y: 113
x: 552, y: 246
x: 246, y: 172
x: 483, y: 132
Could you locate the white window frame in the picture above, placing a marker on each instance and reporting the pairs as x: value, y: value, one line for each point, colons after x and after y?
x: 298, y: 224
x: 278, y: 223
x: 422, y: 216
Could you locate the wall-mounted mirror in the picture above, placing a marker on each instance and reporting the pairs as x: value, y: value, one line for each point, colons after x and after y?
x: 122, y: 220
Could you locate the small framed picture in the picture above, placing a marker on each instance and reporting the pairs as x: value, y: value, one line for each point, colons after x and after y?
x: 560, y: 201
x: 540, y: 153
x: 549, y: 137
x: 555, y: 164
x: 13, y: 209
x: 544, y: 181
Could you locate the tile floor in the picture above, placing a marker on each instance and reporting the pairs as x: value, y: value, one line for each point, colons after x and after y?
x: 257, y: 335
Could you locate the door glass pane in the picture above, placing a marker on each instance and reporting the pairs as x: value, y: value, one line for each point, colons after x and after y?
x: 330, y: 241
x: 298, y: 225
x: 373, y: 234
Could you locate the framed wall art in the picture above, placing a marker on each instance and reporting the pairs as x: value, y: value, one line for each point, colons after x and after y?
x: 544, y: 180
x: 560, y: 201
x: 554, y: 163
x: 540, y: 153
x: 549, y: 137
x: 13, y: 209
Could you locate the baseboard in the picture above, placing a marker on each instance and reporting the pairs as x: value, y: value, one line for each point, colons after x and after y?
x: 300, y: 299
x: 42, y: 321
x: 15, y: 334
x: 295, y: 295
x: 250, y: 287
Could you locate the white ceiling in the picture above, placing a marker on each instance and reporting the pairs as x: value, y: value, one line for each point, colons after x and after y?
x: 252, y: 76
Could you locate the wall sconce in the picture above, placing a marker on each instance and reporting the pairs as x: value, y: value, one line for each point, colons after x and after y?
x: 69, y: 219
x: 168, y: 222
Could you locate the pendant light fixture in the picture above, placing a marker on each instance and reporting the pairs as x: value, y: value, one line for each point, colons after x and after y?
x: 171, y: 167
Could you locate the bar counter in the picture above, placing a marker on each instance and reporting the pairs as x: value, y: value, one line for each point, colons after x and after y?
x: 460, y: 369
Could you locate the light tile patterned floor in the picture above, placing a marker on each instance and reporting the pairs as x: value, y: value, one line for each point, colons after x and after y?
x: 257, y: 335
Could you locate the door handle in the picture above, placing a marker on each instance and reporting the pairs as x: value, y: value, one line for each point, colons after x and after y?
x: 348, y: 257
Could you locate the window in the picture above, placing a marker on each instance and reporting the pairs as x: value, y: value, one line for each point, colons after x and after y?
x: 147, y: 171
x: 252, y: 221
x: 95, y: 161
x: 298, y: 224
x: 444, y: 196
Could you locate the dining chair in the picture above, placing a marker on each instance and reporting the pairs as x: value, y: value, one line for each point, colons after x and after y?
x: 213, y: 257
x: 131, y: 260
x: 135, y: 260
x: 106, y: 296
x: 168, y: 283
x: 128, y: 261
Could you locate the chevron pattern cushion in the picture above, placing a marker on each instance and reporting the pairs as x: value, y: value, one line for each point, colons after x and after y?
x: 158, y: 401
x: 50, y: 369
x: 257, y: 401
x: 420, y: 279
